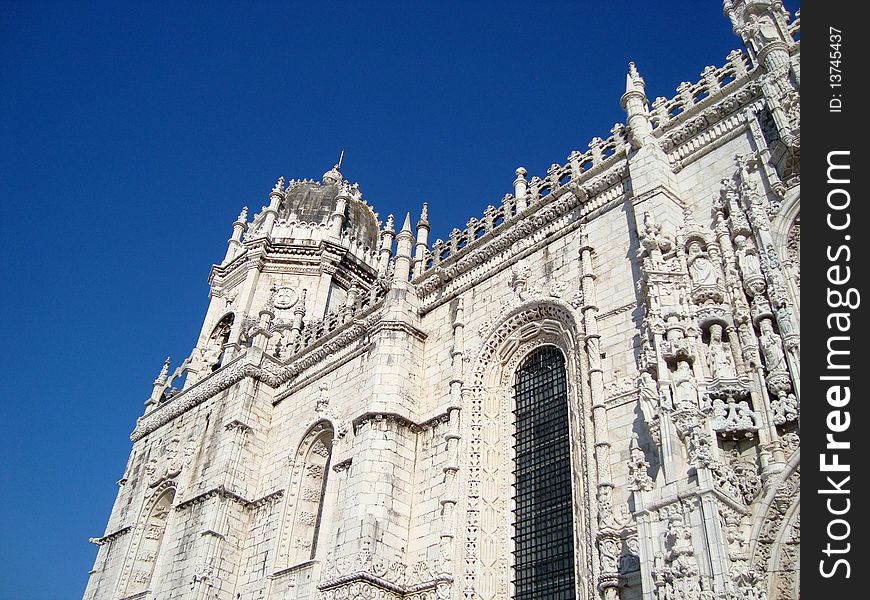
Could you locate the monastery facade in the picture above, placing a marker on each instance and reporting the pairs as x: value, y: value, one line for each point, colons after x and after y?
x: 592, y: 390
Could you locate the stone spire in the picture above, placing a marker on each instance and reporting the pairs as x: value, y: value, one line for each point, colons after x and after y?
x: 634, y: 103
x: 386, y: 250
x: 271, y: 212
x: 159, y: 385
x: 234, y: 244
x: 404, y: 242
x: 521, y: 188
x: 422, y: 241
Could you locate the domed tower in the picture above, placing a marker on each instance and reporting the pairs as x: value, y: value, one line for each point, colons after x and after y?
x: 311, y: 252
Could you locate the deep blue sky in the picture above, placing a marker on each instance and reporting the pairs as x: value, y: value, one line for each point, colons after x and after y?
x: 131, y: 137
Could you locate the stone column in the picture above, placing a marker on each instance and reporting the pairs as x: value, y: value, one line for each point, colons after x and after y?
x: 608, y: 536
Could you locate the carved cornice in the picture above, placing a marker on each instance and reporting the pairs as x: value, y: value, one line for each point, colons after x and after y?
x: 236, y: 425
x: 383, y: 584
x: 227, y: 494
x: 202, y: 390
x: 272, y: 372
x: 111, y: 536
x: 617, y: 310
x: 400, y: 420
x: 399, y: 326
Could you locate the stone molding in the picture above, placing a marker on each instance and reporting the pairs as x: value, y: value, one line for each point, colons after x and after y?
x: 111, y: 536
x: 272, y: 372
x: 228, y: 494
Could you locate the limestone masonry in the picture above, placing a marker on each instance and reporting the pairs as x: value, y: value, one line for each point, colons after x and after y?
x: 590, y: 391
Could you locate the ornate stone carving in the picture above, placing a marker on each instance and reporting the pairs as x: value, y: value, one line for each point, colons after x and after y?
x: 730, y: 416
x: 719, y: 357
x: 676, y: 573
x: 638, y: 468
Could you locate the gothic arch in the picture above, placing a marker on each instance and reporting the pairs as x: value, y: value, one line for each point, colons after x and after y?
x: 220, y: 334
x: 309, y: 470
x: 487, y: 426
x: 775, y: 536
x: 144, y: 554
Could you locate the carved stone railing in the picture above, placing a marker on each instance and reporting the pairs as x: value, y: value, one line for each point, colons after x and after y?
x: 579, y: 168
x: 715, y: 82
x: 313, y: 331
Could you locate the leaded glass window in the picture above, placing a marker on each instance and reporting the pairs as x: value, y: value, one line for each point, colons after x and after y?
x: 543, y: 518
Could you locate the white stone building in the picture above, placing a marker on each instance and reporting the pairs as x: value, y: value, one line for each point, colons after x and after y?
x: 590, y: 391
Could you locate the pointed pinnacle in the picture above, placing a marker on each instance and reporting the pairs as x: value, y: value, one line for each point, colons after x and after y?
x: 407, y: 225
x: 164, y: 372
x: 243, y: 216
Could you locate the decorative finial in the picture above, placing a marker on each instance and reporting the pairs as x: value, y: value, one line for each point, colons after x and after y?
x: 243, y: 216
x: 340, y: 158
x: 389, y: 225
x: 633, y: 81
x: 279, y: 185
x: 424, y: 216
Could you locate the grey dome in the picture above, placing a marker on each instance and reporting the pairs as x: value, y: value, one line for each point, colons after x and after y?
x: 312, y: 202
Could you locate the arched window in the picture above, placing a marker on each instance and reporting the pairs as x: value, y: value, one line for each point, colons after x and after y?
x: 220, y: 335
x: 308, y: 485
x: 543, y: 517
x: 149, y: 544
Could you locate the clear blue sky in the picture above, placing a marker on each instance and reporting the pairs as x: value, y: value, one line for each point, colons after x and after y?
x: 132, y: 135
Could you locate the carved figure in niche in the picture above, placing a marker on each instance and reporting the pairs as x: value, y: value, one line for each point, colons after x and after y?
x: 220, y: 335
x: 649, y: 397
x: 685, y: 384
x: 653, y: 241
x: 783, y: 316
x: 771, y: 348
x: 747, y: 257
x: 719, y: 357
x: 701, y: 268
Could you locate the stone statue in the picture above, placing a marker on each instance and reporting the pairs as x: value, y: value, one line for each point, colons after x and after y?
x: 685, y: 384
x: 747, y: 257
x: 649, y: 397
x: 771, y: 348
x: 701, y: 268
x: 719, y: 357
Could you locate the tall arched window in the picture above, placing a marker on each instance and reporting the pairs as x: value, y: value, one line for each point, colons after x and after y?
x: 149, y: 545
x: 306, y: 501
x: 543, y: 517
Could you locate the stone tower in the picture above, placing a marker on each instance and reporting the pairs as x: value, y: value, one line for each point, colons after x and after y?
x: 589, y: 391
